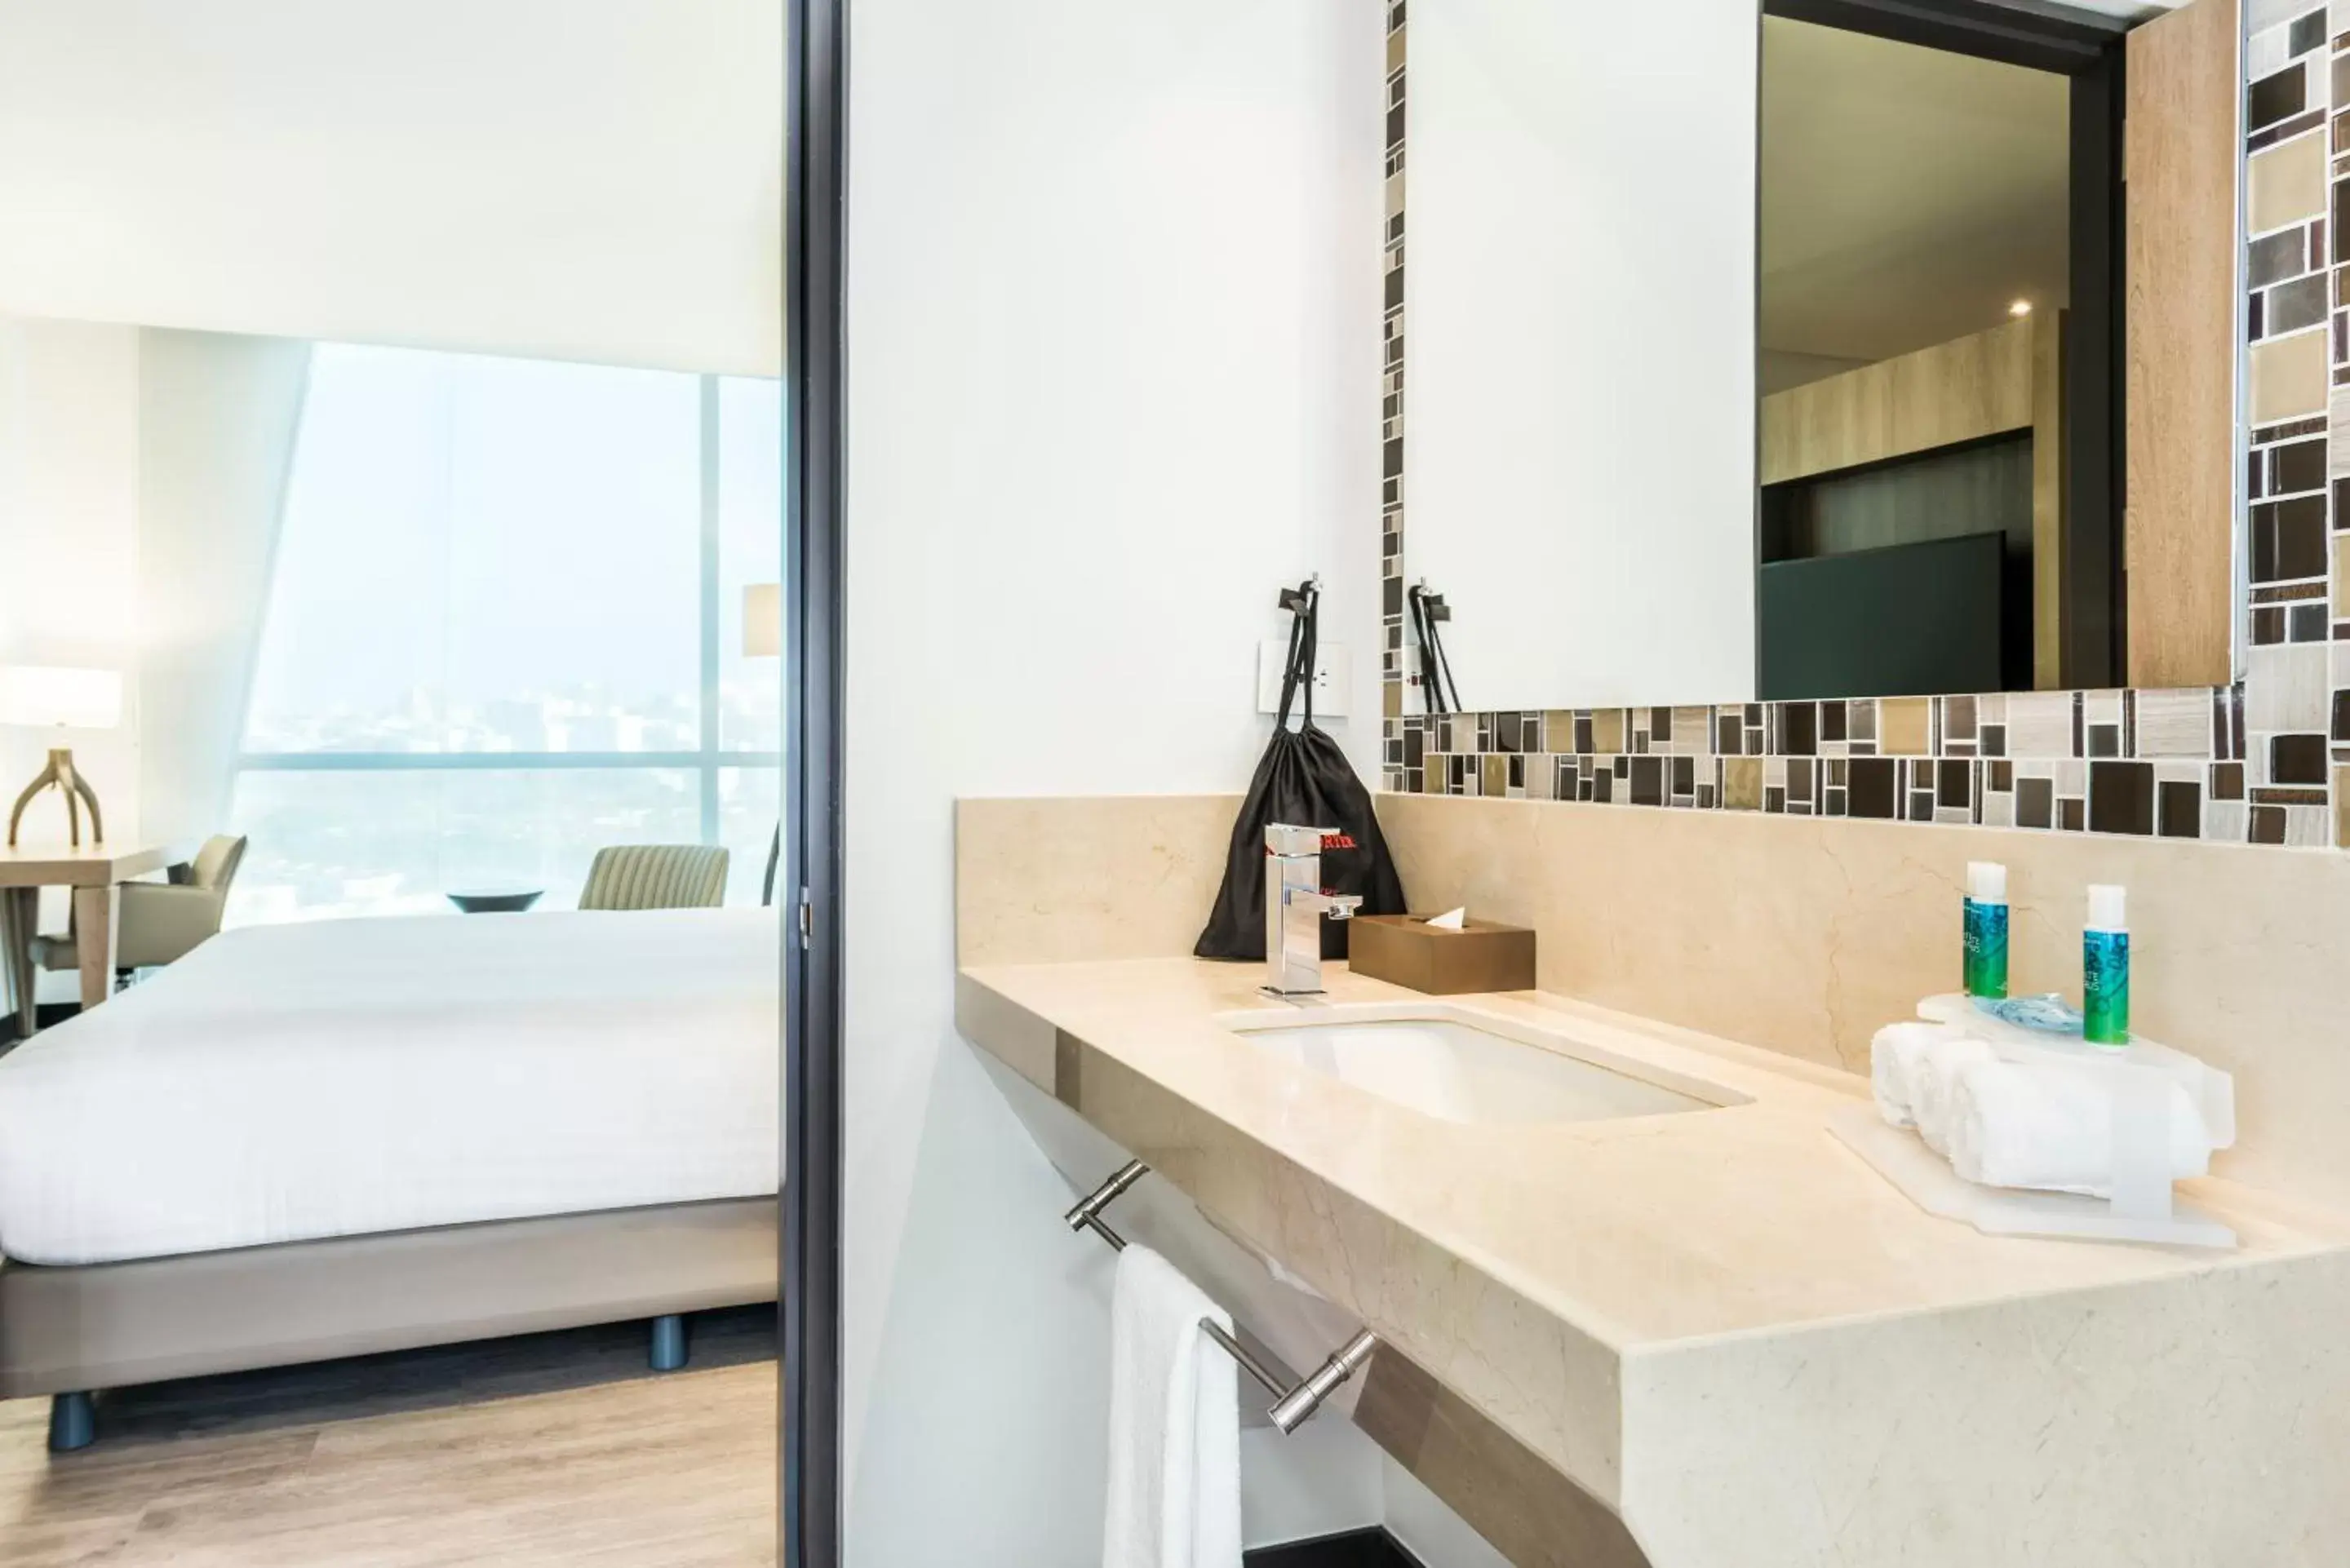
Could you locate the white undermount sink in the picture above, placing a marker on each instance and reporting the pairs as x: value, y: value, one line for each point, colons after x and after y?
x: 1459, y: 1066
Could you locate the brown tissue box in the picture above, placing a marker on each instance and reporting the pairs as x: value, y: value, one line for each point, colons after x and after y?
x: 1404, y: 950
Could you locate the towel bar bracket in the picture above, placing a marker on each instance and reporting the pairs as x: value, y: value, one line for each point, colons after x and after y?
x: 1292, y: 1405
x: 1087, y: 1215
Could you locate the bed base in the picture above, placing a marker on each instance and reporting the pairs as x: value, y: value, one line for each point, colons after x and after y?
x: 73, y: 1414
x: 68, y: 1332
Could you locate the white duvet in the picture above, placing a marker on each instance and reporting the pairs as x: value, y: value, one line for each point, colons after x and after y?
x: 288, y: 1083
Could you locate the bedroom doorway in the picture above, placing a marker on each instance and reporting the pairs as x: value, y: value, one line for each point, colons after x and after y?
x: 391, y: 523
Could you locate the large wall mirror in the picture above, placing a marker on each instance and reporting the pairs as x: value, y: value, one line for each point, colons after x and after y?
x: 1818, y: 352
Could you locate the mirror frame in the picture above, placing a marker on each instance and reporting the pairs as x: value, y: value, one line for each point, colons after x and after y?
x: 2243, y: 762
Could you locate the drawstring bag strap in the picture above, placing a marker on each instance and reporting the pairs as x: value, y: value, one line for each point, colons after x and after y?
x: 1289, y: 670
x: 1304, y: 603
x: 1309, y: 656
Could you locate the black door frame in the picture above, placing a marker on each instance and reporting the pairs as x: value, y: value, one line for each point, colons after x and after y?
x: 2088, y: 48
x: 809, y: 1494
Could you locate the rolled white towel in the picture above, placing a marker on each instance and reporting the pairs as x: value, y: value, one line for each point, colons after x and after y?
x: 1894, y: 1054
x: 2049, y: 1126
x: 1939, y: 1062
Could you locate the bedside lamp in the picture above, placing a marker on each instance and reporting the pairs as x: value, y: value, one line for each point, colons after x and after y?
x: 46, y: 696
x: 763, y: 638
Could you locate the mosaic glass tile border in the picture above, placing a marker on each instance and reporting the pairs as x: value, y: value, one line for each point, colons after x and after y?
x: 2266, y: 761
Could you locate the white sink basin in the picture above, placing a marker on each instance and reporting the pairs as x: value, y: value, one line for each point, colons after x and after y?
x: 1447, y: 1063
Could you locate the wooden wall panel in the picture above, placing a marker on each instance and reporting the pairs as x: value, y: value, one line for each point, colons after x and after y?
x: 1827, y: 424
x: 2179, y: 155
x: 1964, y: 390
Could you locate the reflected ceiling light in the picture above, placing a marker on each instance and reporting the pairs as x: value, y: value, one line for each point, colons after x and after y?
x: 2020, y: 308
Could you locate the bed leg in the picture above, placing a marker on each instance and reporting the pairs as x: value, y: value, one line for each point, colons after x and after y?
x: 668, y: 1343
x: 73, y: 1422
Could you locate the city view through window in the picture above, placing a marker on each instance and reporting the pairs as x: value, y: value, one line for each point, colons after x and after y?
x: 505, y: 630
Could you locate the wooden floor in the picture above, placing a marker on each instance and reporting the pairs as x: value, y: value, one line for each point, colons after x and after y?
x: 552, y: 1449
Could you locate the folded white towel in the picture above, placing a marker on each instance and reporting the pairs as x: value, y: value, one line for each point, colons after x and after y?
x: 1894, y: 1054
x: 1939, y: 1061
x: 1174, y: 1424
x: 2049, y: 1126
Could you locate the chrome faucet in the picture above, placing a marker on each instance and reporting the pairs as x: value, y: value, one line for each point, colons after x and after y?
x: 1295, y: 904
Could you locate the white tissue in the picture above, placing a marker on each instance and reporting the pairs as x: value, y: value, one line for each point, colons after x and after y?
x: 2050, y: 1126
x: 1931, y: 1088
x: 1450, y: 921
x: 1893, y: 1058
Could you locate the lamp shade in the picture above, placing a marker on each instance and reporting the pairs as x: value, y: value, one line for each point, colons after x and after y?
x: 762, y: 620
x: 50, y: 694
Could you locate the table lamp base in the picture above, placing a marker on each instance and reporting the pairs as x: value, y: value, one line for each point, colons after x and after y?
x: 60, y: 774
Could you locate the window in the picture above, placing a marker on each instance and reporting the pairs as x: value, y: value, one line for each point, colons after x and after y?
x: 505, y: 630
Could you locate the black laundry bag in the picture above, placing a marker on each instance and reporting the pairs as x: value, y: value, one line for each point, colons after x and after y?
x: 1303, y: 780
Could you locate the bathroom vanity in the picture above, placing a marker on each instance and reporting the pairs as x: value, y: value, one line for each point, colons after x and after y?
x: 1634, y: 1302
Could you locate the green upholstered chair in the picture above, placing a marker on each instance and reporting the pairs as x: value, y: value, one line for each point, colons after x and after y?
x: 160, y: 922
x: 656, y: 876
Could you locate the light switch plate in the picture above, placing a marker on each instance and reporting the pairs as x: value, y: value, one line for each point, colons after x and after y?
x: 1333, y: 671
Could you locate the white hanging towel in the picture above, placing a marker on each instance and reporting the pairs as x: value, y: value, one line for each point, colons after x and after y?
x: 1174, y: 1424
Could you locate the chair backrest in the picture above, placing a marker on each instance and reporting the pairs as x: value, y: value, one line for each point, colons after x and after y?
x: 656, y: 876
x: 215, y: 863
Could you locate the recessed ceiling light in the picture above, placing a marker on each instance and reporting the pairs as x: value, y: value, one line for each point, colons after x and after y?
x: 2020, y: 308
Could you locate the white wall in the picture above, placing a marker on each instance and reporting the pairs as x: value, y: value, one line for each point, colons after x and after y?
x: 1428, y: 1529
x: 594, y: 180
x: 70, y: 544
x: 1113, y: 335
x: 142, y: 477
x: 1579, y: 300
x: 1322, y: 1478
x: 218, y: 415
x: 68, y: 557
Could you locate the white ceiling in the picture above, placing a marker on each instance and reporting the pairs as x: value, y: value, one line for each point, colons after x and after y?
x: 1908, y: 195
x: 597, y: 179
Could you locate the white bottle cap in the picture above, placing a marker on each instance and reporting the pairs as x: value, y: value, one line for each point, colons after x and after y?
x: 2106, y: 908
x: 1986, y: 882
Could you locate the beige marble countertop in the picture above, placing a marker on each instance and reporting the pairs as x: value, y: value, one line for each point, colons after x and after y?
x: 1732, y: 1220
x: 1651, y: 1303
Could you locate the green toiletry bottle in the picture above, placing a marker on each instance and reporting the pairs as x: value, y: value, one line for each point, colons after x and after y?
x: 2104, y: 970
x: 1985, y: 914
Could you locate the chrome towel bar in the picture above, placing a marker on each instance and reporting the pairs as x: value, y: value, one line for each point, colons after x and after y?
x: 1291, y: 1404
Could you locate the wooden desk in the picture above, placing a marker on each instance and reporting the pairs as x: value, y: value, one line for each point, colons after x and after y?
x: 92, y: 871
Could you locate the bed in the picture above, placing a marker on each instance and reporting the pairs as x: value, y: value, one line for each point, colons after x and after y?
x: 315, y: 1141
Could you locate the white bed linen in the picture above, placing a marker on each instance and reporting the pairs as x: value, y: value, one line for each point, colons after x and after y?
x: 288, y: 1083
